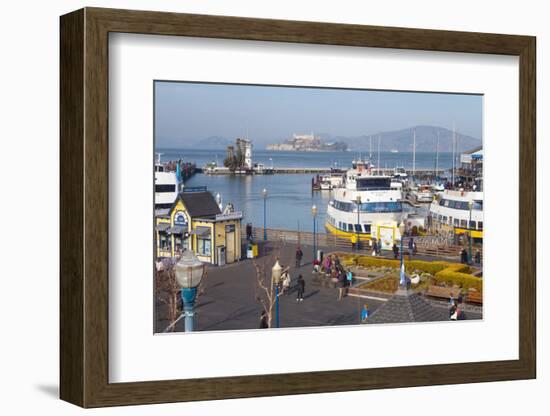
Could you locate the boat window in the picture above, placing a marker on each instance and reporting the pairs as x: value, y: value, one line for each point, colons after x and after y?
x: 393, y: 206
x: 367, y: 228
x: 350, y: 227
x: 445, y: 219
x: 480, y: 225
x: 472, y: 225
x: 455, y: 223
x: 478, y: 205
x: 373, y: 183
x: 165, y: 188
x: 463, y: 223
x: 358, y: 228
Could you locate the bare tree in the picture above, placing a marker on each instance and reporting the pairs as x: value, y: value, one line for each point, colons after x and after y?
x: 265, y: 290
x: 167, y: 292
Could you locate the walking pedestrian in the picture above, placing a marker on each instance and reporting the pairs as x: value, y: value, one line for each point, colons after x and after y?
x: 464, y: 256
x: 301, y: 285
x: 286, y: 282
x: 249, y: 232
x: 353, y: 239
x: 364, y: 313
x: 478, y: 257
x: 395, y: 251
x: 453, y: 312
x: 299, y: 255
x: 349, y: 277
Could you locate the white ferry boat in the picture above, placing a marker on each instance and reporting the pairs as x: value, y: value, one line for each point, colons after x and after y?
x: 166, y: 186
x: 366, y: 206
x: 459, y: 212
x: 331, y: 181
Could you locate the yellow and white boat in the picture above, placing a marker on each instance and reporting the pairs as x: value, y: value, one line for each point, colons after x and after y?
x: 367, y: 206
x: 459, y: 211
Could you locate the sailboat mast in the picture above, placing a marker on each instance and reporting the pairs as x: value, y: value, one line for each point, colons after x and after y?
x: 453, y: 166
x: 370, y: 147
x: 414, y: 153
x: 437, y: 155
x: 378, y: 165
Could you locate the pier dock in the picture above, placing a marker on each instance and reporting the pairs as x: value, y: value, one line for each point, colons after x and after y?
x: 307, y: 170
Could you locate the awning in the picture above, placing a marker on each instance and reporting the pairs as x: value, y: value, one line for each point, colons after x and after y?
x: 202, y: 231
x: 162, y: 226
x: 177, y: 229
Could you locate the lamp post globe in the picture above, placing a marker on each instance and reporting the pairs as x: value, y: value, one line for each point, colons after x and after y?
x: 189, y: 271
x: 276, y: 273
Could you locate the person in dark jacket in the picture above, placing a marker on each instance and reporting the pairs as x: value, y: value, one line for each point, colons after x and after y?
x: 395, y: 251
x: 301, y: 286
x: 299, y: 255
x: 464, y: 256
x: 263, y: 320
x: 478, y: 257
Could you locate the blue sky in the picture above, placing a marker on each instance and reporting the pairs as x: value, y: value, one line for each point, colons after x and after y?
x: 193, y: 111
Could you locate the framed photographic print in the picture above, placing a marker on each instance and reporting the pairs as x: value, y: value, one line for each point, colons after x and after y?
x: 257, y: 207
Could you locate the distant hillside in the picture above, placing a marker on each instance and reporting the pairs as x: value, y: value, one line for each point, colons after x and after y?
x: 213, y: 142
x: 402, y: 140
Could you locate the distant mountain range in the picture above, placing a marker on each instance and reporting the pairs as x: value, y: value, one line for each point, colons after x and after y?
x: 400, y: 140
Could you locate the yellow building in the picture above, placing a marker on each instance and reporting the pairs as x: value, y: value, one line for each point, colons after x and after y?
x: 195, y: 222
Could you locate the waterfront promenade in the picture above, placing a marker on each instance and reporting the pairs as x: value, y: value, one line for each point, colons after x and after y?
x: 228, y: 301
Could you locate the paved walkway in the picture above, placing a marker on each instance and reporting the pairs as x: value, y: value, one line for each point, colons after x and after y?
x: 229, y: 298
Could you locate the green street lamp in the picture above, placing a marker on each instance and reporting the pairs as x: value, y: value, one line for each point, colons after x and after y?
x: 189, y: 272
x: 276, y: 273
x: 314, y: 213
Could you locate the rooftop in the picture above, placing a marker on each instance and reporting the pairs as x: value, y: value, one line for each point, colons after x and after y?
x: 407, y: 306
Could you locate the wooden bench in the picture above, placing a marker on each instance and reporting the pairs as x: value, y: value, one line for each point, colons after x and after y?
x: 474, y: 297
x: 442, y: 292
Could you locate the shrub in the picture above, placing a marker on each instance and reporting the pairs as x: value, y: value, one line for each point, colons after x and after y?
x: 464, y: 280
x: 443, y: 271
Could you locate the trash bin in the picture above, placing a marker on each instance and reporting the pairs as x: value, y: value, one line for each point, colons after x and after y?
x: 251, y: 251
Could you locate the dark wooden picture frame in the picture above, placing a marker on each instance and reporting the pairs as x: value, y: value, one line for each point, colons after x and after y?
x: 84, y: 207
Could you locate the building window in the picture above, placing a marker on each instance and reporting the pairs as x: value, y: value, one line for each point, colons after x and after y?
x: 164, y: 241
x: 204, y: 246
